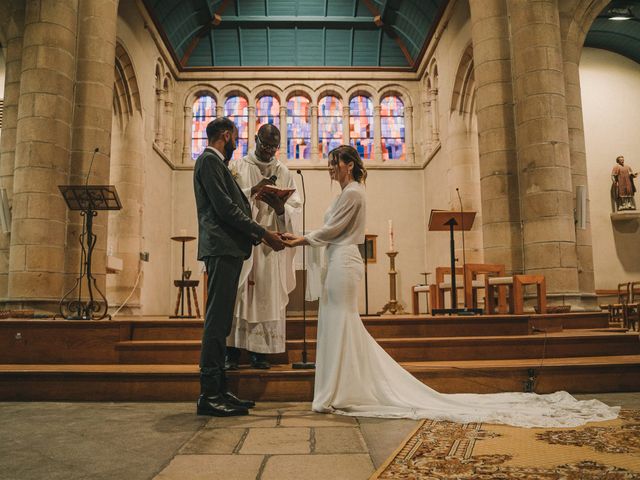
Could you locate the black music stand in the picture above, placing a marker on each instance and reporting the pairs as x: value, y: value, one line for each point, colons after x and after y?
x: 443, y: 220
x: 88, y: 200
x: 367, y: 253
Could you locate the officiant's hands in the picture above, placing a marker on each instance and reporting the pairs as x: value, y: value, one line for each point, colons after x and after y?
x: 260, y: 184
x: 290, y: 240
x: 273, y: 200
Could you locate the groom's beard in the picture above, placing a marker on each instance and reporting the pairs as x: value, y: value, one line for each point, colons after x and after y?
x: 229, y: 148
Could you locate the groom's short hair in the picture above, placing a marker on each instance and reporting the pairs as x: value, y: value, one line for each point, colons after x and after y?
x: 218, y: 126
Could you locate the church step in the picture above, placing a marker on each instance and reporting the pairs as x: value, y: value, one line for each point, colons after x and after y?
x: 565, y: 344
x: 116, y: 382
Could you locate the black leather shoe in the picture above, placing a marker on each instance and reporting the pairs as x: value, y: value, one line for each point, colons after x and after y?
x: 217, y: 406
x: 233, y: 400
x: 230, y: 363
x: 259, y: 360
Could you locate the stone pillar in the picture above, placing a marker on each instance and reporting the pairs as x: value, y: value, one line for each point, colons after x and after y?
x: 186, y: 147
x: 168, y: 127
x: 496, y: 134
x: 543, y: 145
x: 219, y: 110
x: 13, y: 62
x: 283, y: 133
x: 408, y: 133
x: 346, y: 132
x: 314, y: 133
x: 159, y: 112
x: 45, y: 115
x: 251, y: 128
x: 427, y: 130
x: 93, y: 116
x: 435, y: 121
x: 577, y: 151
x: 377, y: 135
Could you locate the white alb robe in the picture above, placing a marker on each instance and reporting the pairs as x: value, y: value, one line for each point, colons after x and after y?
x: 267, y: 278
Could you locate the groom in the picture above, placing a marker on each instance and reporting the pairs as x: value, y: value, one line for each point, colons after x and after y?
x: 226, y: 235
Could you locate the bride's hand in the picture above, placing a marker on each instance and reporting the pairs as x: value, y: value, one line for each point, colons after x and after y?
x: 291, y: 240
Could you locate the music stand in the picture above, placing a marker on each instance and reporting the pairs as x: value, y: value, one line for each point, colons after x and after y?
x: 88, y: 200
x: 443, y: 220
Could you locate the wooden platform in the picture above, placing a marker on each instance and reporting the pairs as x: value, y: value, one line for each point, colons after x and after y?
x: 156, y: 358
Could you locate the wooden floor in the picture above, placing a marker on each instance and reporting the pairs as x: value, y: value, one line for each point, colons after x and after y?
x: 149, y: 359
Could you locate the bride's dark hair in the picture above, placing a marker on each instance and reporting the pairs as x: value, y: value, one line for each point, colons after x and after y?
x: 348, y: 154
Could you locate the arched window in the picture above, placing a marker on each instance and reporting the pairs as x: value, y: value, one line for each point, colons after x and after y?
x: 329, y: 124
x: 204, y: 110
x: 298, y: 128
x: 361, y: 125
x: 236, y: 109
x: 267, y: 111
x: 392, y: 127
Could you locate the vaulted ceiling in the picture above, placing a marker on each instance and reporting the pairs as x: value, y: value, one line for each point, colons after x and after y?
x: 303, y: 33
x: 619, y: 36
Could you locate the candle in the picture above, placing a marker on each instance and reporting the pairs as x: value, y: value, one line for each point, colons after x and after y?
x: 183, y: 232
x: 391, y: 246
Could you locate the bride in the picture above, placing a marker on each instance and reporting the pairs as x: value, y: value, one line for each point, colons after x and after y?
x: 355, y: 376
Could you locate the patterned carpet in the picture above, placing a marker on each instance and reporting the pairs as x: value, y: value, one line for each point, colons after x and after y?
x: 444, y: 450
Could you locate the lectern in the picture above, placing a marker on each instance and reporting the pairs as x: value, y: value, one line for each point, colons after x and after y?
x: 88, y: 199
x: 443, y: 220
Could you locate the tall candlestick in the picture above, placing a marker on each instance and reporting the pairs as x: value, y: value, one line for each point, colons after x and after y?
x: 391, y: 246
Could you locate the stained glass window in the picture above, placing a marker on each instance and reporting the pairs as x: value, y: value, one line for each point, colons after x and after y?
x: 392, y: 126
x: 236, y: 108
x: 204, y: 110
x: 267, y: 111
x: 361, y: 125
x: 298, y: 128
x: 329, y: 124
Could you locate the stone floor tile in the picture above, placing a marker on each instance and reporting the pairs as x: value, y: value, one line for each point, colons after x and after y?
x: 339, y: 440
x: 312, y: 419
x: 212, y: 467
x: 382, y: 435
x: 214, y: 440
x: 248, y: 421
x: 318, y: 467
x: 277, y: 441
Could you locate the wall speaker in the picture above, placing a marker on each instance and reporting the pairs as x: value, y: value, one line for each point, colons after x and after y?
x: 581, y: 207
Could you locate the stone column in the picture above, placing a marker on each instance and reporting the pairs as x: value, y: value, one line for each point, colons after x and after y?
x: 45, y: 115
x: 408, y: 133
x: 219, y: 110
x: 314, y: 133
x: 93, y: 116
x: 186, y: 147
x: 168, y: 127
x: 346, y: 132
x: 543, y: 145
x: 427, y: 131
x: 159, y: 112
x: 13, y: 62
x: 496, y: 134
x: 435, y: 121
x: 251, y: 127
x: 283, y: 133
x: 377, y: 135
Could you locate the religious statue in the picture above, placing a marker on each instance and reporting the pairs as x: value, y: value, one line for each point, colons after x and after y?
x: 623, y: 187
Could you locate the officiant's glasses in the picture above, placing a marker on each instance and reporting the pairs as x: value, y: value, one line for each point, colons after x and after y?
x: 266, y: 146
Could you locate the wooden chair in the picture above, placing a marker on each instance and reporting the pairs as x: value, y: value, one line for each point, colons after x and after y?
x: 632, y: 310
x: 617, y: 312
x: 515, y: 286
x: 416, y: 290
x: 473, y: 284
x: 442, y: 286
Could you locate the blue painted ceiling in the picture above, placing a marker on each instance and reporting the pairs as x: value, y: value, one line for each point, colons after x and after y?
x: 303, y: 33
x: 621, y: 37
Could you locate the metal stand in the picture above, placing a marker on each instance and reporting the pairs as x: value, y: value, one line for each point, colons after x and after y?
x: 392, y: 306
x: 182, y: 284
x: 88, y: 200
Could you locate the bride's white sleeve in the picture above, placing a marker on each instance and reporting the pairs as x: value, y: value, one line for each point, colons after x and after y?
x: 339, y: 222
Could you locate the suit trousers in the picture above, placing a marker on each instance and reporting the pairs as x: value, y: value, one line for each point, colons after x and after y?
x: 224, y: 275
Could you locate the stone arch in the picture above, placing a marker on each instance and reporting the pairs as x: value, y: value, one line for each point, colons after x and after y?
x: 191, y: 95
x: 198, y: 91
x: 333, y: 90
x: 124, y: 239
x: 300, y: 89
x: 464, y: 85
x: 267, y: 89
x: 394, y: 89
x: 235, y: 90
x: 361, y: 89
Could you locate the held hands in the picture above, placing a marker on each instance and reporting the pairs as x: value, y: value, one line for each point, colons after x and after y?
x: 291, y: 240
x: 274, y: 240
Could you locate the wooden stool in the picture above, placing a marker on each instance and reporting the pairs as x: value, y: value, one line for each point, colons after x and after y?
x: 430, y: 291
x: 190, y: 287
x: 515, y: 286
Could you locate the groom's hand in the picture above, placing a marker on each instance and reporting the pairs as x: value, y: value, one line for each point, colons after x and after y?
x: 273, y: 240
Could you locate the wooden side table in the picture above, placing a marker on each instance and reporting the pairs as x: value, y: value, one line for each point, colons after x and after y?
x: 188, y: 287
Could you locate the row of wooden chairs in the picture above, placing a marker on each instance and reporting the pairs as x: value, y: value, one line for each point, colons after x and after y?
x: 626, y: 312
x: 504, y: 293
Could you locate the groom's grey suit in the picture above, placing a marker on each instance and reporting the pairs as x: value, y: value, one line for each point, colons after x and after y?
x: 226, y: 235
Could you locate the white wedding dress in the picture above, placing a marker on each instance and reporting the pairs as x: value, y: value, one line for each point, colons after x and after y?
x: 355, y: 376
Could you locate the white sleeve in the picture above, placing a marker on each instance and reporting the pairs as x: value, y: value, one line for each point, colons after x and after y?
x: 342, y: 216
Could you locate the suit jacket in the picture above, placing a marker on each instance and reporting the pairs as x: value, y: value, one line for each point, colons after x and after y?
x: 225, y: 226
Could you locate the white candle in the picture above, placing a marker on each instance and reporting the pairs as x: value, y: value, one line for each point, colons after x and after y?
x: 391, y: 246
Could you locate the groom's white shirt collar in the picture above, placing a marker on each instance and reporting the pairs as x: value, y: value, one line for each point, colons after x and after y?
x: 216, y: 151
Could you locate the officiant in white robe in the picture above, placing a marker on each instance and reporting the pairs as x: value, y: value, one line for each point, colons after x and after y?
x: 268, y: 277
